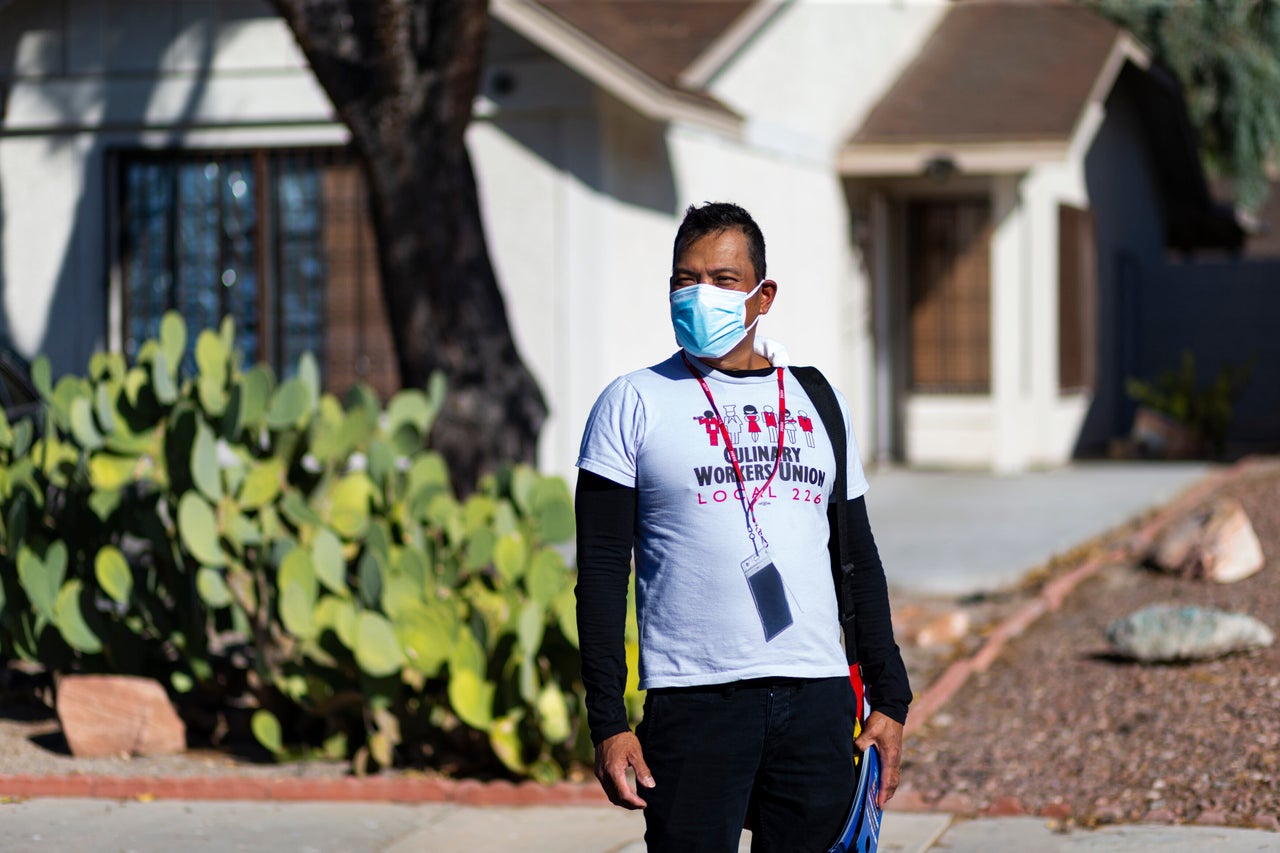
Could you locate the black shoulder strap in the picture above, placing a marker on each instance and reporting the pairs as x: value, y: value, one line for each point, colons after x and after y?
x: 824, y: 400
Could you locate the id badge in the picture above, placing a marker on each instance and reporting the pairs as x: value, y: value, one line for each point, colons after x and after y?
x: 769, y: 594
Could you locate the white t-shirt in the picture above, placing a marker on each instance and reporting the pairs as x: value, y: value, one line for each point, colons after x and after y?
x: 654, y: 430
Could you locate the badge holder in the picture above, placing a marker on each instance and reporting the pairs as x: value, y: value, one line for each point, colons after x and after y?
x: 769, y: 594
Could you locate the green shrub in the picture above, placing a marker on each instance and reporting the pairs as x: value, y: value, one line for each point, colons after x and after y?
x: 1206, y: 410
x: 260, y: 543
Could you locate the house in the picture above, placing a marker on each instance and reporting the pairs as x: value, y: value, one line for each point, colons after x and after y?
x: 970, y: 206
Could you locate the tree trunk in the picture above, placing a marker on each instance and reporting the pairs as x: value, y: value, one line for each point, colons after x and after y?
x: 402, y: 75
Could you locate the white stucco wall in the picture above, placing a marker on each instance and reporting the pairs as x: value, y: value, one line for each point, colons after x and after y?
x: 536, y: 153
x: 86, y: 76
x: 1055, y: 418
x: 807, y: 80
x: 950, y: 430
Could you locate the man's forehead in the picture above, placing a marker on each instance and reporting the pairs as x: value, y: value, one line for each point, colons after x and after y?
x: 726, y: 249
x: 715, y: 265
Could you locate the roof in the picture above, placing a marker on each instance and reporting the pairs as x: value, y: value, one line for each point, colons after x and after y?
x: 1002, y: 86
x: 660, y: 38
x: 639, y: 49
x: 996, y: 72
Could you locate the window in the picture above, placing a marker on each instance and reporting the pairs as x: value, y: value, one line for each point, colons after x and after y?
x: 1077, y: 299
x: 949, y: 296
x: 278, y: 239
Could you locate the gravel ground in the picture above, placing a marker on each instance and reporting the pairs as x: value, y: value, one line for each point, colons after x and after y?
x: 1077, y: 734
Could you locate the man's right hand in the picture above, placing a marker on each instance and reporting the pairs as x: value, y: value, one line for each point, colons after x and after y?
x: 613, y: 756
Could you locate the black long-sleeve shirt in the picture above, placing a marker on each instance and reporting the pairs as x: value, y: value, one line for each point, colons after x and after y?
x: 606, y: 516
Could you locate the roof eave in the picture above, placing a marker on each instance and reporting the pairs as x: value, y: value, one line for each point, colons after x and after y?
x: 1124, y: 50
x: 724, y: 48
x: 969, y: 157
x: 607, y: 70
x: 997, y: 156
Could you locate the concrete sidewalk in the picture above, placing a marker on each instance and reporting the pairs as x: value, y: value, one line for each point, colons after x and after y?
x: 956, y: 533
x: 212, y: 827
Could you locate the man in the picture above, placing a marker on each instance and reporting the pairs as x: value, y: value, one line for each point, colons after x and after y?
x: 749, y: 713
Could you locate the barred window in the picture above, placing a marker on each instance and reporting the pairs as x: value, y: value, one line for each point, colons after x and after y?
x: 278, y: 239
x: 949, y: 298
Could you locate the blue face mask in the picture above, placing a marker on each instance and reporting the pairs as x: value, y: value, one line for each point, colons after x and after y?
x: 710, y: 321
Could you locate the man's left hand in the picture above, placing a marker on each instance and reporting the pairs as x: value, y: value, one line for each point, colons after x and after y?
x: 887, y: 736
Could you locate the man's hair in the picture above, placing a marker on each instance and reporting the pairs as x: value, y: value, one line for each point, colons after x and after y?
x: 713, y: 218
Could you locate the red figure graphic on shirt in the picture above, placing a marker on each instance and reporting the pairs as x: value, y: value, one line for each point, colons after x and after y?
x: 806, y: 426
x: 711, y: 425
x: 789, y: 424
x: 771, y: 421
x: 753, y: 422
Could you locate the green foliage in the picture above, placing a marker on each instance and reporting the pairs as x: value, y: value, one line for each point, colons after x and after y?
x: 221, y: 528
x: 1226, y: 54
x: 1207, y: 410
x: 266, y: 728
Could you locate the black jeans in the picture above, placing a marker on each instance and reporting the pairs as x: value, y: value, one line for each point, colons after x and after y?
x: 781, y: 749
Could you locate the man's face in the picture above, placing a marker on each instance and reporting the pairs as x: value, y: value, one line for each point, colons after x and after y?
x: 722, y: 259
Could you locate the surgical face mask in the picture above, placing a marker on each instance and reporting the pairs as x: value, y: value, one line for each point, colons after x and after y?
x: 710, y: 321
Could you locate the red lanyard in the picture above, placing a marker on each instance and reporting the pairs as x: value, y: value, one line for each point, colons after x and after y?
x: 748, y: 506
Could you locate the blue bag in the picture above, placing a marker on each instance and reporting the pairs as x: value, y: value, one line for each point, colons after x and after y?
x: 861, y: 830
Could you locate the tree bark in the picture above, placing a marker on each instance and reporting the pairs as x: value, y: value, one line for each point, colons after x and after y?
x: 402, y: 75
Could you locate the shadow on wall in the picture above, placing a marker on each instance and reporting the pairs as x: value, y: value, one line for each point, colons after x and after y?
x: 1152, y: 304
x: 6, y: 339
x: 1225, y: 312
x: 77, y: 312
x: 1124, y: 197
x: 6, y: 85
x: 606, y: 147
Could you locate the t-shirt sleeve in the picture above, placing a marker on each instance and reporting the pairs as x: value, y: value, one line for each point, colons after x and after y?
x: 611, y: 439
x: 855, y: 478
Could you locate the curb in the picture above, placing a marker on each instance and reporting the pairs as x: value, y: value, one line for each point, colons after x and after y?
x: 1053, y: 594
x: 471, y: 792
x: 386, y: 789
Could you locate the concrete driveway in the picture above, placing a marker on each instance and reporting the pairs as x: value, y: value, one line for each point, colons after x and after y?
x: 957, y: 533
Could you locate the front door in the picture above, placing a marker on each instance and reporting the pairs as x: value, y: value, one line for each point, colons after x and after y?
x: 949, y: 296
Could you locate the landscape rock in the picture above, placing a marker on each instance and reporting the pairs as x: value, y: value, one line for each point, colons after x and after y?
x: 1217, y: 543
x: 109, y: 715
x: 1164, y: 633
x: 1266, y: 821
x: 944, y: 630
x: 931, y: 627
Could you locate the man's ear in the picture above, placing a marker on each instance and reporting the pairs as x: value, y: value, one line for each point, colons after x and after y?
x: 768, y: 291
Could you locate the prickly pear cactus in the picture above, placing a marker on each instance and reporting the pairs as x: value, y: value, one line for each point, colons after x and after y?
x: 223, y: 527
